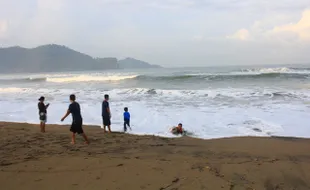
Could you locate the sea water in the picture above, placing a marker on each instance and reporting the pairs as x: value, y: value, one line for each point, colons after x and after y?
x: 210, y: 102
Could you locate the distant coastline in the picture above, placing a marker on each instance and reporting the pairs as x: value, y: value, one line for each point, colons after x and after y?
x: 56, y: 58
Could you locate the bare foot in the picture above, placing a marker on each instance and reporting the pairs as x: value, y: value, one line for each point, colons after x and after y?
x: 72, y: 142
x: 86, y: 142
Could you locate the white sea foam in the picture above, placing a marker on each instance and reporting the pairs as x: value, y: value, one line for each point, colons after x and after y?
x: 204, y: 121
x: 221, y: 94
x: 209, y: 113
x: 13, y: 90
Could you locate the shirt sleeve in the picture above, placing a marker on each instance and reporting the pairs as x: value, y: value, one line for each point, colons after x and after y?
x: 104, y: 107
x: 70, y: 108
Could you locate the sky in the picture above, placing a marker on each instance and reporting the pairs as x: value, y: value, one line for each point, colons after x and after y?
x: 165, y: 32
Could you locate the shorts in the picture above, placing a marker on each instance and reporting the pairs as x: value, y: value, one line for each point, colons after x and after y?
x: 42, y: 117
x: 76, y: 127
x: 106, y: 120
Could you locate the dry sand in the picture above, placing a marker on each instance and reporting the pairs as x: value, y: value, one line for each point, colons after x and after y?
x: 31, y: 160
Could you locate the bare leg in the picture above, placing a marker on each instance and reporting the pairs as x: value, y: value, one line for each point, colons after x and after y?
x: 85, y: 138
x: 73, y: 138
x: 43, y: 127
x: 104, y: 126
x: 109, y: 127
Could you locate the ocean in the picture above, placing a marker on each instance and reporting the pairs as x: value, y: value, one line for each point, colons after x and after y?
x: 211, y: 102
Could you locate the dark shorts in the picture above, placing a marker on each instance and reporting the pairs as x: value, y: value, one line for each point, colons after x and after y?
x: 42, y: 117
x: 76, y: 127
x: 127, y: 122
x: 106, y: 120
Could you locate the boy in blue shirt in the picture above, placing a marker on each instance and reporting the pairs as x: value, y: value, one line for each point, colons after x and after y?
x: 126, y: 119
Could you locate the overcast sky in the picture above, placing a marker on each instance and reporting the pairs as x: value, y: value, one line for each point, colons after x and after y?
x: 165, y: 32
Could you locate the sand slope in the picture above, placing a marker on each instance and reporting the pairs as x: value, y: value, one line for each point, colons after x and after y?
x: 31, y: 160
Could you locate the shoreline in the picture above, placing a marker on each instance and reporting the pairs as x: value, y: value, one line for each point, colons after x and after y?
x: 157, y: 135
x: 33, y: 160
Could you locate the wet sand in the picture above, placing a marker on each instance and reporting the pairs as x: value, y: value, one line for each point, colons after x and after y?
x: 31, y: 160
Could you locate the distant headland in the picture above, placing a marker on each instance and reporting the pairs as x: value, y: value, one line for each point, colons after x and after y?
x: 54, y: 58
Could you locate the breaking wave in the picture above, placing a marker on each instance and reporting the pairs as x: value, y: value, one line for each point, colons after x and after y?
x: 141, y: 93
x: 68, y: 79
x: 255, y: 74
x: 88, y: 78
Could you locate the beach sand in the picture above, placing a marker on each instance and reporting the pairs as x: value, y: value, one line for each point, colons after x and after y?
x: 31, y: 160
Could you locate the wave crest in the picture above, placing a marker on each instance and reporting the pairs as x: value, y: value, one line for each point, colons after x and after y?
x: 88, y: 78
x: 281, y: 70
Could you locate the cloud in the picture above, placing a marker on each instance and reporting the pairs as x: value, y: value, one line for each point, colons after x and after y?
x: 301, y: 28
x: 3, y: 28
x: 298, y: 31
x: 242, y: 34
x: 46, y: 24
x: 167, y: 32
x: 55, y: 5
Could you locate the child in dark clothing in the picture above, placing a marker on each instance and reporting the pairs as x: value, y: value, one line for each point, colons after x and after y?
x: 126, y: 119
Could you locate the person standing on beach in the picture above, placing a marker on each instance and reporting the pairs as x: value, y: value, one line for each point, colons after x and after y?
x: 77, y: 120
x: 126, y: 119
x: 106, y: 114
x: 42, y: 113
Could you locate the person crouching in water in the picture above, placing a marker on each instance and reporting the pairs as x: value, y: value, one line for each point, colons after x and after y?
x: 126, y: 119
x: 178, y: 130
x: 42, y: 113
x: 77, y: 120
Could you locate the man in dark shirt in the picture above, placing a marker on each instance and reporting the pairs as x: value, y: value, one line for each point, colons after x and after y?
x: 106, y: 114
x: 42, y: 113
x: 77, y: 120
